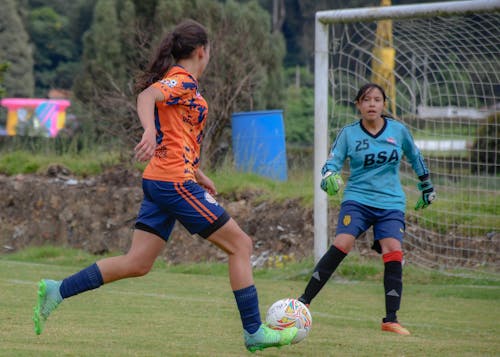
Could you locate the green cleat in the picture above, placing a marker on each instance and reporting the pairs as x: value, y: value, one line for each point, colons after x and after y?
x: 48, y: 299
x: 266, y: 337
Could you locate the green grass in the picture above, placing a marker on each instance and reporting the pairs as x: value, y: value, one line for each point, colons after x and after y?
x: 80, y: 164
x: 354, y: 268
x: 299, y: 185
x: 189, y: 310
x: 93, y: 162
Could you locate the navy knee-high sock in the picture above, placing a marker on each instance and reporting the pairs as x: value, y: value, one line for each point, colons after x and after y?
x: 248, y: 304
x: 86, y: 279
x: 322, y: 273
x: 393, y: 284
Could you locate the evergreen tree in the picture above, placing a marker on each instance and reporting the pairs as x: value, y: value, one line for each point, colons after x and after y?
x: 53, y: 47
x: 245, y: 72
x: 128, y: 29
x: 245, y: 69
x: 17, y: 51
x: 102, y: 60
x: 3, y: 68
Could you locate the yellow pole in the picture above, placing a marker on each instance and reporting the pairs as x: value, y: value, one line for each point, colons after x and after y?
x: 383, y: 60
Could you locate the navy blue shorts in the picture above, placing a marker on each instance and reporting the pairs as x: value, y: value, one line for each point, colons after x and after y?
x: 355, y: 218
x: 187, y: 202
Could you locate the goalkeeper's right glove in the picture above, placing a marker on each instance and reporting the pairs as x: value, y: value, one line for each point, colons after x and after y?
x: 331, y: 182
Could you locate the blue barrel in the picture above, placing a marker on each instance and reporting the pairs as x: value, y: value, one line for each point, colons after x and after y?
x: 259, y: 143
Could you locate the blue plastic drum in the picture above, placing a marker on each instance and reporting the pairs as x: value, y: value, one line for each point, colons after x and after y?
x: 259, y: 143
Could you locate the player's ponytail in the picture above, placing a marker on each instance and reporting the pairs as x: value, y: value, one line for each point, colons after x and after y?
x: 177, y: 44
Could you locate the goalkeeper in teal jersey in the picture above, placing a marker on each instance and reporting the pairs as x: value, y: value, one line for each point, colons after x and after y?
x: 373, y: 196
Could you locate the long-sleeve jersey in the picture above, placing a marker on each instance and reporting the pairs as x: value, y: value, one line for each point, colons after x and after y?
x: 374, y: 162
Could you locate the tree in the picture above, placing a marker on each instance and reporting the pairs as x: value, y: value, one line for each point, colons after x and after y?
x: 17, y: 51
x: 102, y: 52
x: 3, y: 68
x: 128, y: 30
x: 245, y: 72
x: 109, y: 60
x: 55, y: 28
x: 53, y: 47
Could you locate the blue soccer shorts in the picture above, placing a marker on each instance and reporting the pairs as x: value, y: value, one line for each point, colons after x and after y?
x: 186, y: 202
x: 355, y: 218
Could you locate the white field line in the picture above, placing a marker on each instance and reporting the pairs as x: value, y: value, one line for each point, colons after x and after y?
x: 120, y: 292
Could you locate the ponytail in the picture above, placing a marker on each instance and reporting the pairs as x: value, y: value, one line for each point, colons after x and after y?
x: 177, y: 44
x: 158, y: 66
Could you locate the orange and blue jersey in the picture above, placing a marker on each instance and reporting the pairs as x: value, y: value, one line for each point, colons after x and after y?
x: 179, y: 119
x: 170, y: 190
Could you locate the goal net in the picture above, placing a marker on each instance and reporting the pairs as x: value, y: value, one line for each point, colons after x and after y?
x: 439, y: 64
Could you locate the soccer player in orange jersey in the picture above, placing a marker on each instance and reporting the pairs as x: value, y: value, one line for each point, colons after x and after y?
x: 173, y: 114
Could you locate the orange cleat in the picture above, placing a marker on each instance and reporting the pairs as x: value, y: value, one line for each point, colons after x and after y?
x: 394, y: 327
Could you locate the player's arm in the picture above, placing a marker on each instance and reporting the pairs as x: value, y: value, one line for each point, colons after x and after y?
x: 145, y: 110
x: 331, y: 181
x: 205, y: 182
x: 425, y: 186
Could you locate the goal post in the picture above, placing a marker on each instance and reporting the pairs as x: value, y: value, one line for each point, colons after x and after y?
x: 446, y: 92
x: 320, y: 137
x: 407, y: 11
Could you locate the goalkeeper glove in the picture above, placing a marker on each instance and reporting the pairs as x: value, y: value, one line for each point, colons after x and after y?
x: 331, y: 182
x: 428, y: 194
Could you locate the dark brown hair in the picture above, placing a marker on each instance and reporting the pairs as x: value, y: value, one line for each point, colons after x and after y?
x: 177, y: 44
x: 366, y: 88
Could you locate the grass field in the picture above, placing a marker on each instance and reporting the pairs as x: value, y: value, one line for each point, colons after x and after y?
x: 169, y: 313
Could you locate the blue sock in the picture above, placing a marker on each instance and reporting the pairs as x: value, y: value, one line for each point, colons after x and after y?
x: 86, y: 279
x: 248, y: 305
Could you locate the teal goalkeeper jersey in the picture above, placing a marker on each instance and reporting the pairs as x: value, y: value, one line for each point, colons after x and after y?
x: 374, y: 162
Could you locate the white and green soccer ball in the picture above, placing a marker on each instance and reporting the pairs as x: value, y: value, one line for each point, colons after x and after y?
x: 287, y: 313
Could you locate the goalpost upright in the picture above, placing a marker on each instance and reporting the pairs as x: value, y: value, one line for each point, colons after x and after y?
x: 323, y: 21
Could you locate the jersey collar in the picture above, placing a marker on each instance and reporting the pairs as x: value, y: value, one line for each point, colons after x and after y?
x: 378, y: 133
x: 178, y: 69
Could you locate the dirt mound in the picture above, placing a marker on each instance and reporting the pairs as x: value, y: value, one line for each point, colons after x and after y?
x: 97, y: 214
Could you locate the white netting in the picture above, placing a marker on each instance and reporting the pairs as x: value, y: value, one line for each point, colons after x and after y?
x: 445, y: 85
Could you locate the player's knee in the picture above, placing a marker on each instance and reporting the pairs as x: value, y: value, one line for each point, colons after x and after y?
x: 389, y: 245
x: 244, y: 245
x: 142, y: 270
x: 139, y: 268
x: 344, y: 242
x: 343, y: 247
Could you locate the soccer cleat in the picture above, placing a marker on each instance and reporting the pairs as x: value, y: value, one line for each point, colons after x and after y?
x: 47, y: 300
x: 303, y: 301
x: 394, y: 327
x: 266, y: 337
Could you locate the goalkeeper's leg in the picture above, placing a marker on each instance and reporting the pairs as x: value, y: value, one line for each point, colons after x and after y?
x: 351, y: 223
x: 393, y: 284
x: 326, y: 266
